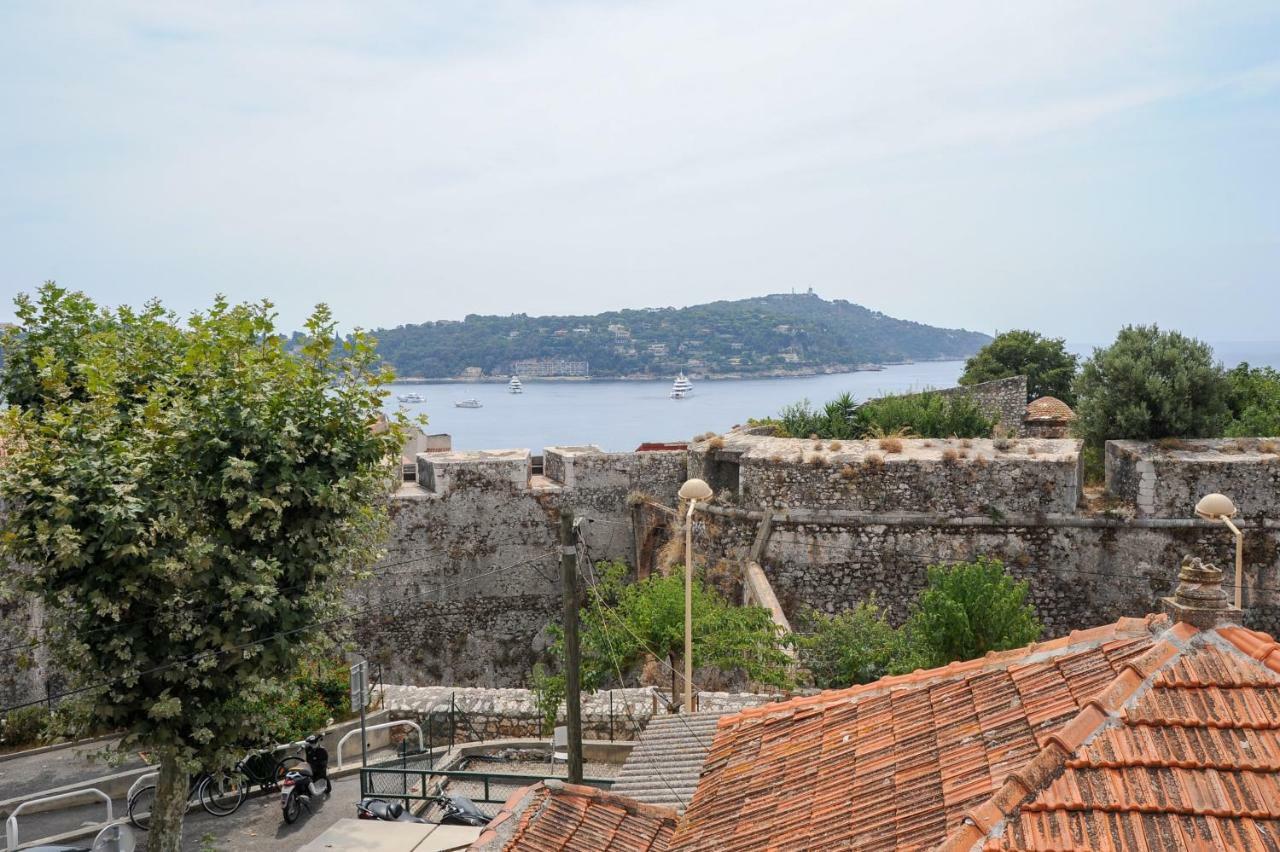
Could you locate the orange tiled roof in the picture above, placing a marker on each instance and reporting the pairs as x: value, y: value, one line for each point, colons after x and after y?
x: 1136, y: 735
x: 554, y: 815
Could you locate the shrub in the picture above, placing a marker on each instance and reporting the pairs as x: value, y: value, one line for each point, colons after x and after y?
x: 891, y: 445
x: 849, y: 472
x: 23, y: 728
x: 818, y: 460
x: 835, y: 446
x: 857, y: 646
x: 967, y: 610
x: 1151, y: 384
x: 716, y: 443
x: 926, y: 415
x: 1254, y: 399
x: 950, y: 456
x: 873, y: 461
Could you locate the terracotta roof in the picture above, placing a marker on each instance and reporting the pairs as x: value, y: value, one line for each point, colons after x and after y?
x: 1136, y: 735
x: 554, y: 815
x: 1048, y: 408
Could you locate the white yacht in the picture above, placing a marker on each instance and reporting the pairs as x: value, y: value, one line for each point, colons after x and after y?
x: 411, y: 397
x: 467, y: 403
x: 681, y: 388
x: 514, y: 385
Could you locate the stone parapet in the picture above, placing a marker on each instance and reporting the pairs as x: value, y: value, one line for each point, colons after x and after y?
x: 1165, y: 479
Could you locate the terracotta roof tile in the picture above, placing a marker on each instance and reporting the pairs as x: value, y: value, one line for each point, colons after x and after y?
x: 554, y: 815
x: 1136, y: 735
x: 1048, y: 408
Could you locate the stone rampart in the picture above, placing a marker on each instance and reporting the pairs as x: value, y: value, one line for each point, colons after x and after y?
x: 959, y: 477
x: 1166, y: 479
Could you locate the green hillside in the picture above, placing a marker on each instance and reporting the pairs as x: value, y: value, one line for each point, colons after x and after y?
x: 759, y: 336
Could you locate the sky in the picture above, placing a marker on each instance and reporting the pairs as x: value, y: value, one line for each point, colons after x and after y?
x: 1067, y: 167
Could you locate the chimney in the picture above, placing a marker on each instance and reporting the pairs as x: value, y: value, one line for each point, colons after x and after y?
x: 1199, y: 599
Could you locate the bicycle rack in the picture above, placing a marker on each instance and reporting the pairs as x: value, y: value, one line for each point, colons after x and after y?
x: 143, y: 780
x: 11, y: 824
x: 380, y: 726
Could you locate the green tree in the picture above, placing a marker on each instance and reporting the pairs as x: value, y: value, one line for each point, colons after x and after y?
x: 966, y: 610
x: 623, y: 624
x: 189, y: 500
x: 1254, y: 399
x: 855, y: 646
x: 1150, y: 384
x: 1050, y: 369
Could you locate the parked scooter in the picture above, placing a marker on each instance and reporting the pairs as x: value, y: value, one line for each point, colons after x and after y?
x: 301, y: 783
x: 454, y: 810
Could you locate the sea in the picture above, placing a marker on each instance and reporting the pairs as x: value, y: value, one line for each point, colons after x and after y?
x: 621, y: 415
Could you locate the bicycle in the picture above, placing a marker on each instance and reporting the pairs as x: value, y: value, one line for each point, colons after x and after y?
x: 219, y: 793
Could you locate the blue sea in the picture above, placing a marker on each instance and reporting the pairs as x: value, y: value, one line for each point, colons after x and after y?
x: 619, y: 416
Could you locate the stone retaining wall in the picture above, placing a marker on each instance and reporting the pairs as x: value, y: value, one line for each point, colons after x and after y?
x: 1165, y: 479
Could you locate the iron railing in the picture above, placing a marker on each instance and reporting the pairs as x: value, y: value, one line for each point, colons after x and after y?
x: 422, y: 783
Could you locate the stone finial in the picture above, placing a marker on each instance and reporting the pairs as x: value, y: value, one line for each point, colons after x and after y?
x: 1200, y: 599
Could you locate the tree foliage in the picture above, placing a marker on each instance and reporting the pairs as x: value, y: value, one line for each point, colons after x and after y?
x: 1254, y: 399
x: 1050, y: 369
x: 624, y: 624
x: 1151, y: 384
x: 855, y: 646
x: 189, y: 500
x: 967, y: 610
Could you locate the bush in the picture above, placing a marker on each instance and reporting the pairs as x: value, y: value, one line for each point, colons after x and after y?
x: 924, y: 415
x: 1050, y: 369
x: 856, y: 646
x: 23, y: 728
x: 1253, y: 397
x: 1150, y: 384
x: 967, y: 610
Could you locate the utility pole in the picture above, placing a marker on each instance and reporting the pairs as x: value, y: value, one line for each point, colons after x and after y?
x: 572, y: 653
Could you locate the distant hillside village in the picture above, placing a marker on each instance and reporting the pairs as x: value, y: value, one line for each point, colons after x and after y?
x: 786, y: 334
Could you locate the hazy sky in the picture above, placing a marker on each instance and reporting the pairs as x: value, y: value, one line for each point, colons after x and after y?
x: 1062, y: 166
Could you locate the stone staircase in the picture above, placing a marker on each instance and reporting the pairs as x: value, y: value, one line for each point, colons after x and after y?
x: 664, y: 766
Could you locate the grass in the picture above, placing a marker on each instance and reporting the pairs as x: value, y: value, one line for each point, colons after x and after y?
x: 716, y: 443
x: 950, y: 456
x: 891, y: 445
x: 874, y: 461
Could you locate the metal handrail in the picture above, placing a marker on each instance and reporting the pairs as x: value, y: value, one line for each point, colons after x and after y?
x: 505, y: 779
x: 152, y: 777
x: 11, y: 824
x: 349, y: 734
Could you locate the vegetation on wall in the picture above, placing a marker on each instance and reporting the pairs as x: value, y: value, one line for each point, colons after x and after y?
x: 189, y: 500
x: 966, y: 610
x: 920, y: 415
x: 746, y: 336
x: 1050, y: 369
x: 623, y: 625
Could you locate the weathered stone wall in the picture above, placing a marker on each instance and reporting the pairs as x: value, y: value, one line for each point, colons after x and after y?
x: 1082, y: 571
x: 956, y: 477
x: 1166, y: 479
x: 495, y: 713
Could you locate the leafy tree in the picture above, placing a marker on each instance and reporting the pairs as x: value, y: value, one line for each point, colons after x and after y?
x: 188, y: 500
x: 855, y: 646
x: 1150, y: 384
x: 1050, y: 369
x: 966, y: 610
x: 623, y: 624
x: 1254, y: 399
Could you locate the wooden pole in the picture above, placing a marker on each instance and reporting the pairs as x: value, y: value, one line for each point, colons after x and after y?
x: 572, y: 653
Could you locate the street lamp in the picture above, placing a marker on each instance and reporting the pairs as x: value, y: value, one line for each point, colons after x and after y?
x: 693, y: 491
x: 1218, y: 507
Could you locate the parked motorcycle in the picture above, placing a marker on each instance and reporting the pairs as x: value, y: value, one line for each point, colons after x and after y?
x: 385, y: 811
x: 302, y: 783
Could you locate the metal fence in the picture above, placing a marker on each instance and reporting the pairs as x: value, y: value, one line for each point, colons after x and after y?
x: 420, y: 783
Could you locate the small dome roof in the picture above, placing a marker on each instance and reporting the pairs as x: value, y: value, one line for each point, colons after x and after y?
x: 1049, y: 408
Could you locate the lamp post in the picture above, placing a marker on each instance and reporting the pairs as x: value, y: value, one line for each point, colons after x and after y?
x: 693, y: 491
x: 1218, y: 507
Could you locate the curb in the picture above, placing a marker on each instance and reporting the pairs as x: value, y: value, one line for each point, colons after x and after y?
x: 45, y: 749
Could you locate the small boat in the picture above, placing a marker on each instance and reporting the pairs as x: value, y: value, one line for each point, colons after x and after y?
x: 681, y: 388
x: 467, y: 403
x: 514, y: 385
x: 411, y: 397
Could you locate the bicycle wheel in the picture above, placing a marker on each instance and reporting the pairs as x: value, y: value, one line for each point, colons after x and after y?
x: 284, y: 764
x: 222, y: 793
x: 140, y: 805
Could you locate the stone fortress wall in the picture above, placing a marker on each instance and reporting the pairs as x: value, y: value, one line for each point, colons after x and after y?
x: 471, y: 579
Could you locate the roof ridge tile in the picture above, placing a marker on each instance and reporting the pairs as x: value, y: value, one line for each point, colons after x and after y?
x: 988, y: 817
